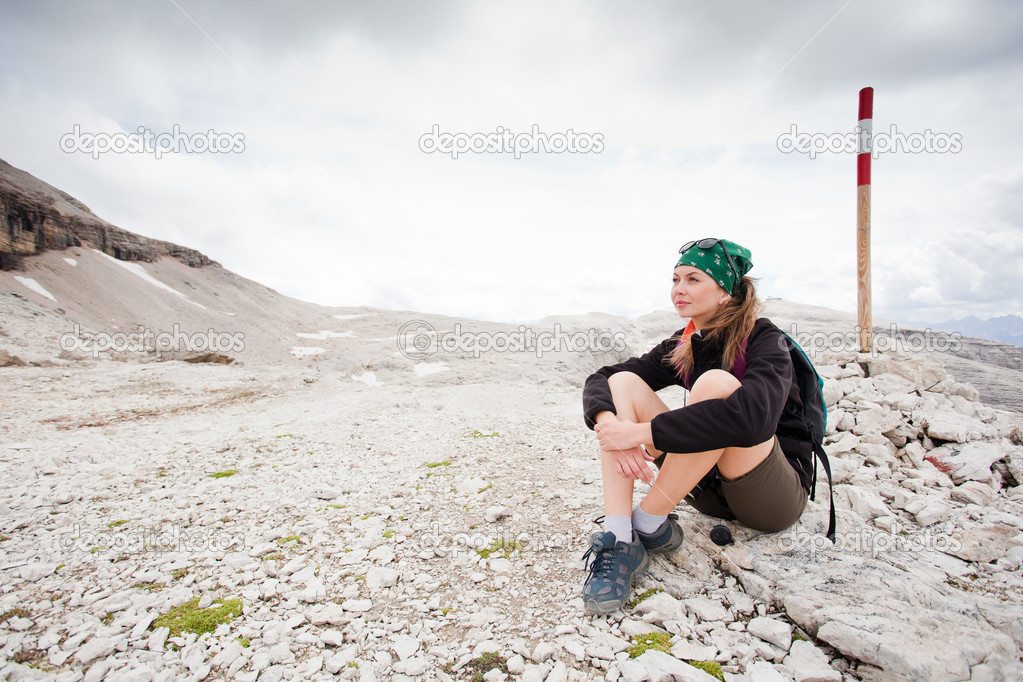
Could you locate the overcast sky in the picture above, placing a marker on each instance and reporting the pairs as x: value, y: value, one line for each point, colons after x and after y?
x: 327, y: 195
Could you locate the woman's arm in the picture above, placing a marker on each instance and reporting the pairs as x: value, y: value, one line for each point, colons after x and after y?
x: 650, y: 368
x: 747, y: 417
x: 615, y: 434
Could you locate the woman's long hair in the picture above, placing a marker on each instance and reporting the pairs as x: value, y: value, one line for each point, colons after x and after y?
x: 733, y: 323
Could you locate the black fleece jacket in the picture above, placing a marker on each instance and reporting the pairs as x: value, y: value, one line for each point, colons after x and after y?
x: 766, y: 404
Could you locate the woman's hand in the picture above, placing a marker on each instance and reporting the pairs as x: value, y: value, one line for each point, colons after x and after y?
x: 622, y: 440
x: 632, y: 463
x: 620, y: 435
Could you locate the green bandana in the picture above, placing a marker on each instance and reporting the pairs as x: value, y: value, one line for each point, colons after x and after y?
x: 714, y: 262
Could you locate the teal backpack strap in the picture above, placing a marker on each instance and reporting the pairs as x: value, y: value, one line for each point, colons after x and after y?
x: 813, y: 397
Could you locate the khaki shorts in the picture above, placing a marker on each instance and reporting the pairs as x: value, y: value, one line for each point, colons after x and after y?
x: 769, y: 497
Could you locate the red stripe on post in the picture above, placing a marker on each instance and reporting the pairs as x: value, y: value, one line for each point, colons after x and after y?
x: 866, y: 103
x: 863, y: 169
x: 866, y: 113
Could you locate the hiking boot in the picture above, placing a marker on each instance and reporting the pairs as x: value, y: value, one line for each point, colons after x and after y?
x: 667, y: 537
x: 612, y: 567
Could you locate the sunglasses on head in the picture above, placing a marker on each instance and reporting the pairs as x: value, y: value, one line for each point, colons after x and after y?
x: 706, y: 245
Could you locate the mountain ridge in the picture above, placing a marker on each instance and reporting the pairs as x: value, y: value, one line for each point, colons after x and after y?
x: 1003, y: 328
x: 36, y: 217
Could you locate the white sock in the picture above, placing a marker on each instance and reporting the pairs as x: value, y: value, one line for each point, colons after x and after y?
x: 621, y: 526
x: 646, y: 523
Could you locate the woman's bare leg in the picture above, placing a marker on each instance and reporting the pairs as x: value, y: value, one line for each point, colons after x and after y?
x: 634, y: 401
x: 681, y: 472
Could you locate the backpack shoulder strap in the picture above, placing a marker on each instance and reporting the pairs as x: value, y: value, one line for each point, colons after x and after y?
x: 818, y: 450
x: 801, y: 360
x: 739, y: 366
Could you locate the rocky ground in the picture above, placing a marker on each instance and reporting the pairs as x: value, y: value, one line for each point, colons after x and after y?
x: 432, y: 526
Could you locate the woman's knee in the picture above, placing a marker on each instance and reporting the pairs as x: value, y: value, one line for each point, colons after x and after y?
x: 631, y: 394
x: 627, y: 385
x: 715, y: 383
x: 624, y: 380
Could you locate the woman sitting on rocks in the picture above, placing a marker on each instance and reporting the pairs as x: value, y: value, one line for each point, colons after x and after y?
x: 739, y: 449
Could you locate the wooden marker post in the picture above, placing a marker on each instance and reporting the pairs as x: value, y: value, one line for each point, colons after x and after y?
x: 863, y: 150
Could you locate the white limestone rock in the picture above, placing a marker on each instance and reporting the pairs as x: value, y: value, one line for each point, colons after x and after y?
x: 535, y: 672
x: 809, y: 664
x: 660, y: 607
x: 947, y: 424
x: 867, y: 503
x: 971, y: 461
x: 771, y: 630
x: 379, y: 577
x: 516, y: 664
x: 934, y: 511
x: 832, y: 392
x: 762, y: 671
x: 335, y: 638
x: 357, y: 605
x: 34, y: 571
x: 657, y: 666
x: 404, y: 646
x: 688, y: 651
x: 559, y: 673
x: 634, y: 628
x: 982, y: 544
x: 496, y: 512
x: 974, y: 492
x: 97, y: 647
x: 706, y: 609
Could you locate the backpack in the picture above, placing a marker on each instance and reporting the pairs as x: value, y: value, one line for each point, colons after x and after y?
x: 815, y: 412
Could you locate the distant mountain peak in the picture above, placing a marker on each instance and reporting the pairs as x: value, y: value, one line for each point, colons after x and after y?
x: 1004, y: 328
x: 36, y: 217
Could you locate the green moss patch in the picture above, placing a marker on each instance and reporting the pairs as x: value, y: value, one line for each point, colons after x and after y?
x: 149, y: 586
x: 643, y: 596
x: 656, y: 641
x: 223, y: 474
x: 499, y: 546
x: 476, y: 433
x: 190, y: 618
x: 481, y: 665
x: 712, y: 668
